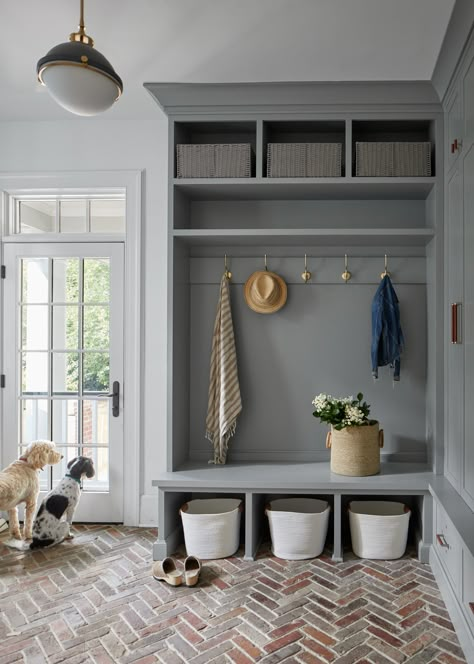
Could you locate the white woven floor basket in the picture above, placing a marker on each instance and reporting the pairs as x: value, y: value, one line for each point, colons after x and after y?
x: 379, y: 528
x: 211, y: 527
x: 298, y: 527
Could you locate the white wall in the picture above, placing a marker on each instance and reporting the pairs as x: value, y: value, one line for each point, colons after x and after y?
x: 100, y: 144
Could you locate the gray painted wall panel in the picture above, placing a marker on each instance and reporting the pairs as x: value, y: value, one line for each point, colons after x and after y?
x: 308, y: 214
x: 319, y: 342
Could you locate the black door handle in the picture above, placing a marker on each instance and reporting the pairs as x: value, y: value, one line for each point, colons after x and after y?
x: 115, y: 396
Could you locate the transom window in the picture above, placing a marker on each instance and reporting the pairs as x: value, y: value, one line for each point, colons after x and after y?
x: 71, y: 214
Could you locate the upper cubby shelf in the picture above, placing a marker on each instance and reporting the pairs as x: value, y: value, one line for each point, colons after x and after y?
x: 305, y: 188
x: 365, y: 237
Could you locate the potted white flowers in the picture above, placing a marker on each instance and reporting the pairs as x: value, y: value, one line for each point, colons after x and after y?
x: 354, y: 439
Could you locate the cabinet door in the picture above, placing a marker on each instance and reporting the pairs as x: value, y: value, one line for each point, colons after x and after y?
x: 468, y: 105
x: 468, y: 461
x: 455, y: 354
x: 454, y: 127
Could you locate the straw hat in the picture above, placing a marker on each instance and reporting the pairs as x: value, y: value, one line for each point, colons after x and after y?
x: 265, y: 292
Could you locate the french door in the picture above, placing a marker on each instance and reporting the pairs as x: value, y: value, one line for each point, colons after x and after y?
x: 63, y: 363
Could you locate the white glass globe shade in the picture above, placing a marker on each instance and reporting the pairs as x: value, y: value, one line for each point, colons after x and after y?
x: 80, y: 90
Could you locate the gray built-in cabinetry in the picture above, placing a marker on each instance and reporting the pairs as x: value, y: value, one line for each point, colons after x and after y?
x: 452, y: 553
x: 320, y: 341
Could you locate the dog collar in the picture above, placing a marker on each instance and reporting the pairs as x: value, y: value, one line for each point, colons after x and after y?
x: 73, y: 478
x: 22, y: 458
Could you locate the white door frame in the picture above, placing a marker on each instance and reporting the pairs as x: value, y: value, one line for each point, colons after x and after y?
x: 16, y: 184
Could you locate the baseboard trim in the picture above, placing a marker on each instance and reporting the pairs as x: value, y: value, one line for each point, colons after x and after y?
x: 461, y: 626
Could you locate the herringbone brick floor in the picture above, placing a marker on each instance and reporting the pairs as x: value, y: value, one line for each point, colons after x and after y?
x: 94, y: 600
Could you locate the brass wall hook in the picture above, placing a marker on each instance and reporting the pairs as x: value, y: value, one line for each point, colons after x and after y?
x: 306, y: 275
x: 346, y: 275
x: 227, y: 272
x: 385, y: 273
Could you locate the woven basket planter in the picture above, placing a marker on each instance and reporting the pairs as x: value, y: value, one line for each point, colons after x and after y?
x: 355, y: 451
x: 379, y: 528
x: 298, y: 527
x: 211, y: 527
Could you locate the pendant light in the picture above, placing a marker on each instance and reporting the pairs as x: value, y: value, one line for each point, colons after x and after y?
x: 79, y: 78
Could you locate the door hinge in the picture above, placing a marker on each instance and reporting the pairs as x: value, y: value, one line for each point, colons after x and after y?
x: 3, y: 272
x: 2, y: 380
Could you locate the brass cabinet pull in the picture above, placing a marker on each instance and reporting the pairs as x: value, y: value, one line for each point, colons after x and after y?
x: 454, y: 323
x: 442, y: 541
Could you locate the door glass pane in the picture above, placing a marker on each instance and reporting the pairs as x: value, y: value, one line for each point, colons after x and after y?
x: 95, y: 372
x: 65, y: 421
x: 100, y: 456
x: 96, y: 327
x: 34, y: 420
x: 66, y: 280
x: 95, y: 422
x: 35, y: 280
x: 65, y: 373
x: 60, y: 469
x: 37, y: 216
x: 34, y: 327
x: 107, y: 216
x: 34, y: 369
x: 72, y: 216
x: 96, y: 280
x: 65, y: 327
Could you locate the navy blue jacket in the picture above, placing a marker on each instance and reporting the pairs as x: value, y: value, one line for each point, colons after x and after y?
x: 387, y: 335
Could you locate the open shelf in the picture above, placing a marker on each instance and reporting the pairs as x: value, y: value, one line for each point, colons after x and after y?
x: 305, y: 188
x: 296, y: 477
x: 300, y: 236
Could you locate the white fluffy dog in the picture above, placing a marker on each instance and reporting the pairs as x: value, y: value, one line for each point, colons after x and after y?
x: 54, y: 519
x: 19, y: 483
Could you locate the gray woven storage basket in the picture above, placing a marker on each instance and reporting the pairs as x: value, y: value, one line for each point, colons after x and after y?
x: 393, y: 159
x: 412, y: 159
x: 210, y: 160
x: 304, y: 160
x: 374, y: 159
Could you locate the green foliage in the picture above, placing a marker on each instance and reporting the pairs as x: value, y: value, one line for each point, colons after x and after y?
x: 341, y: 413
x: 95, y: 327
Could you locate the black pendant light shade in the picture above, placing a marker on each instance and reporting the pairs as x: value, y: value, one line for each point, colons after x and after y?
x: 78, y: 76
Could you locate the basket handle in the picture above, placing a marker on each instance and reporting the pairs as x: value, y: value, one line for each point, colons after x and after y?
x: 184, y: 507
x: 241, y: 507
x: 268, y: 508
x: 328, y: 440
x: 381, y: 438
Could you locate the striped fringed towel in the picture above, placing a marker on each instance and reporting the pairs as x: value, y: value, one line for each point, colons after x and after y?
x: 225, y: 403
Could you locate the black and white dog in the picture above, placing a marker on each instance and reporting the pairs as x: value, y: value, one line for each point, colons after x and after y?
x: 54, y: 518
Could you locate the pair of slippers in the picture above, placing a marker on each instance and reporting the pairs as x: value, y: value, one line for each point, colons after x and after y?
x: 166, y: 570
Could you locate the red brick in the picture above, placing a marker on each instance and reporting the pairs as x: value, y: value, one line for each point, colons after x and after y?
x: 377, y: 575
x: 283, y: 641
x: 247, y: 646
x: 238, y: 657
x: 319, y: 636
x: 385, y: 636
x: 410, y: 608
x: 281, y: 631
x: 297, y: 586
x: 318, y: 649
x: 440, y: 621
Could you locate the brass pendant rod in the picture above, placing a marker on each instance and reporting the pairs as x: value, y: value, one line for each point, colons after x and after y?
x: 81, y: 18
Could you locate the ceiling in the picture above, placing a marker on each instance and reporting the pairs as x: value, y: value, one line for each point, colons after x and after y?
x: 220, y: 41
